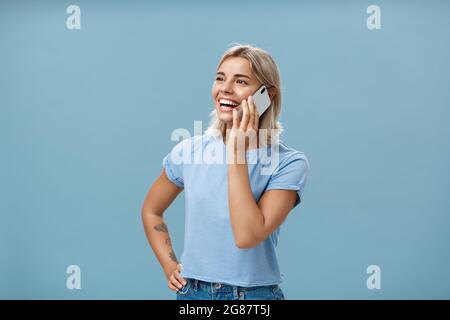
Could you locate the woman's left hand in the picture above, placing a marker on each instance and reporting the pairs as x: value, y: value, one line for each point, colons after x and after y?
x: 244, y: 133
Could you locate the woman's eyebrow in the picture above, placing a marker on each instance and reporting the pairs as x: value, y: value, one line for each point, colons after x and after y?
x: 237, y: 75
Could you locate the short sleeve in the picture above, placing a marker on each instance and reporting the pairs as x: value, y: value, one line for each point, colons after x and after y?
x: 173, y: 164
x: 291, y: 175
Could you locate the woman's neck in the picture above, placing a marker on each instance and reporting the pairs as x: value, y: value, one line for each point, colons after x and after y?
x: 225, y: 139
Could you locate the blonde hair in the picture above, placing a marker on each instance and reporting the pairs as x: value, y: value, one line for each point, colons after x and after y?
x: 266, y: 71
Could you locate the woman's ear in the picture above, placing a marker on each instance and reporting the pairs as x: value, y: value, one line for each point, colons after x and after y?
x: 272, y: 93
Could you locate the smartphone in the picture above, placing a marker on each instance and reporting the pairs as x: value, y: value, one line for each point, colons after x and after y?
x: 261, y: 100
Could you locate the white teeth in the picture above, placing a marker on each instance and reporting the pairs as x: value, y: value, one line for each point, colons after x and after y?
x: 223, y: 108
x: 228, y: 102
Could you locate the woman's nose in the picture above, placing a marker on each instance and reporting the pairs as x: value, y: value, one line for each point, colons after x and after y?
x: 226, y: 87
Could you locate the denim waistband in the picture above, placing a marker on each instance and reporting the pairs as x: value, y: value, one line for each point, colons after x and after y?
x: 223, y: 287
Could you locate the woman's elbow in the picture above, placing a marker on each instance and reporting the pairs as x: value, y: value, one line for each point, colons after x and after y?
x: 246, y: 243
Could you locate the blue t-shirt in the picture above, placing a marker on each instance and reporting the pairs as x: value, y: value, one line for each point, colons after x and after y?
x: 198, y: 165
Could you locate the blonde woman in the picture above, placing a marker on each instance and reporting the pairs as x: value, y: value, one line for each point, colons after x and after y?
x: 233, y: 210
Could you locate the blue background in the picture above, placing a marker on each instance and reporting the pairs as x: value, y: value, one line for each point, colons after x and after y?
x: 86, y: 117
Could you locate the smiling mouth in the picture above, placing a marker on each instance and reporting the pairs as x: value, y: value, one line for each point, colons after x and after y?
x: 227, y: 104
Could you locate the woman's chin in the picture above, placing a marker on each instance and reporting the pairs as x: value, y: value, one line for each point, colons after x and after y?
x: 225, y: 116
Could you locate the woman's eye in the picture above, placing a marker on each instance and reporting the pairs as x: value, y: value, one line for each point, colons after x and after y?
x: 219, y: 78
x: 241, y: 81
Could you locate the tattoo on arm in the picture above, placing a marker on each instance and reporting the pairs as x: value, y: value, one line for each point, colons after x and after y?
x: 161, y: 227
x: 172, y: 256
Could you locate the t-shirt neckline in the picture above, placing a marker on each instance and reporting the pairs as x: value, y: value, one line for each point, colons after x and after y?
x: 219, y: 137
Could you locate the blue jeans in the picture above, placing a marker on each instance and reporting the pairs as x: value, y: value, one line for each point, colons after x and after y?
x: 202, y: 290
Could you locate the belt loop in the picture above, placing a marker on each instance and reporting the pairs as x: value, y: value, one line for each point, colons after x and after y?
x: 195, y: 285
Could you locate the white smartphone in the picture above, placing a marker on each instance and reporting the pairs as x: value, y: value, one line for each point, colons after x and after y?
x: 261, y: 100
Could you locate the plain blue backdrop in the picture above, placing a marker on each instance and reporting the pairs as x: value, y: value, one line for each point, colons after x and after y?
x: 86, y: 117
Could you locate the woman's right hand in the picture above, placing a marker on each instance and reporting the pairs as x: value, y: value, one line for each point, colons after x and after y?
x: 175, y: 280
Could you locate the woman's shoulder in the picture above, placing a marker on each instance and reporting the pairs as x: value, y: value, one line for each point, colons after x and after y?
x: 290, y: 156
x: 287, y: 151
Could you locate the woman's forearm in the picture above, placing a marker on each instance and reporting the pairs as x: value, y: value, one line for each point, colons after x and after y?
x: 245, y: 215
x: 158, y: 236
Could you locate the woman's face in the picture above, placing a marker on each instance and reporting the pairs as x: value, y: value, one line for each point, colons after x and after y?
x: 234, y: 82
